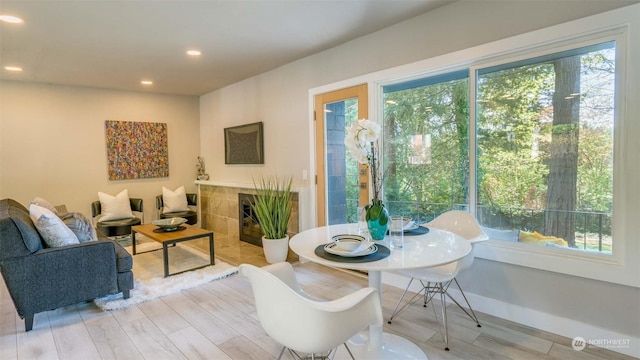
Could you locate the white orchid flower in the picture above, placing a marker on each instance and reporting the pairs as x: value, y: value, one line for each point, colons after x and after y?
x: 361, y: 142
x: 370, y: 130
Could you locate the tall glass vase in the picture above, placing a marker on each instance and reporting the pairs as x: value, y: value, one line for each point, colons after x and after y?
x: 377, y: 219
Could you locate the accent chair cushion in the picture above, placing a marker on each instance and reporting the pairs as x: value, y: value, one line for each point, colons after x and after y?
x: 53, y: 231
x: 115, y: 207
x: 81, y: 226
x: 174, y: 200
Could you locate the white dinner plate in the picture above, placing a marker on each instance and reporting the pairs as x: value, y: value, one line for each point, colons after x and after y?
x: 412, y: 227
x: 330, y: 249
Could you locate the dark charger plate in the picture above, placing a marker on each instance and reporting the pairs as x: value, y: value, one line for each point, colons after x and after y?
x: 420, y: 230
x: 382, y: 253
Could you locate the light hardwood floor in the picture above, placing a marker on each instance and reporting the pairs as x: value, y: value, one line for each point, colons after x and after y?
x: 218, y: 321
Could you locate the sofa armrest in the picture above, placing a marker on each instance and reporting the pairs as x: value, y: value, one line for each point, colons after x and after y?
x: 54, y: 277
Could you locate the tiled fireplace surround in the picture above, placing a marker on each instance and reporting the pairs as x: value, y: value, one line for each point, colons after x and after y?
x: 219, y: 209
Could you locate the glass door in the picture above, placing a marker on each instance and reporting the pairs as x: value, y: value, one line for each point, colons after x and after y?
x: 341, y: 184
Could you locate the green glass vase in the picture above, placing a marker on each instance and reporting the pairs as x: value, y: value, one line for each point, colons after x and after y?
x: 377, y: 219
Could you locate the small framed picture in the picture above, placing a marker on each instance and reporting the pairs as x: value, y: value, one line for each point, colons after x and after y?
x: 244, y: 144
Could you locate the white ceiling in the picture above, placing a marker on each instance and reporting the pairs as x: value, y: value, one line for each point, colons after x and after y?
x: 115, y: 44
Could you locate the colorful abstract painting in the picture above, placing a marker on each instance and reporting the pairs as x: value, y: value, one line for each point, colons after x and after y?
x: 137, y: 150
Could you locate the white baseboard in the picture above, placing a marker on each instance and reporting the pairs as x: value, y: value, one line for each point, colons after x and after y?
x: 593, y: 335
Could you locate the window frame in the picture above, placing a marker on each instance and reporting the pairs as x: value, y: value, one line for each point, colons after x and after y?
x: 429, y: 78
x: 617, y: 267
x: 573, y: 262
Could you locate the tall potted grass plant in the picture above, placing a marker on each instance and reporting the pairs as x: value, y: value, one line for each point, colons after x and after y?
x: 272, y: 207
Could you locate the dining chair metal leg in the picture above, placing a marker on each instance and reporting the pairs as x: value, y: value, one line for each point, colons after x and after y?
x: 413, y: 299
x: 431, y: 292
x: 282, y: 352
x: 444, y: 316
x: 426, y: 292
x: 349, y: 351
x: 312, y: 356
x: 472, y: 315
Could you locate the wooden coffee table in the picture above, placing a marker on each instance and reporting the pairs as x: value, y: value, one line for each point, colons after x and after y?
x: 166, y: 238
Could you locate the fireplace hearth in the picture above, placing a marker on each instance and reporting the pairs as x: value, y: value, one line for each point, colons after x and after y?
x: 227, y: 209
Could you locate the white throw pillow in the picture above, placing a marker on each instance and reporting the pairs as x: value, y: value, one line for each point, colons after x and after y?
x: 115, y: 207
x: 54, y: 232
x: 174, y: 200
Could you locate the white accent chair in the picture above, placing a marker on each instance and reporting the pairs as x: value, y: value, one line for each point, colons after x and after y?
x: 304, y: 325
x: 437, y: 280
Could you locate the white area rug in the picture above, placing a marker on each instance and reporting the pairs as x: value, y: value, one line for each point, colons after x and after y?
x: 149, y: 280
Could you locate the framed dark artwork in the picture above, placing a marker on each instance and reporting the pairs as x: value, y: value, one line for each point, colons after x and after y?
x: 244, y: 144
x: 136, y: 150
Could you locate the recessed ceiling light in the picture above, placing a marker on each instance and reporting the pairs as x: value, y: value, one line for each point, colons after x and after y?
x: 146, y: 82
x: 11, y: 19
x: 13, y: 68
x: 194, y: 52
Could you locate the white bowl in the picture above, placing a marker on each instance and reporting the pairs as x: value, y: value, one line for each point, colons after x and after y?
x: 369, y: 248
x: 347, y: 245
x: 407, y: 222
x: 170, y: 223
x: 347, y: 242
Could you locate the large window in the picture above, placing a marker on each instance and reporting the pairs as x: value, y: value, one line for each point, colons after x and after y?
x: 535, y: 134
x: 543, y: 147
x: 425, y: 132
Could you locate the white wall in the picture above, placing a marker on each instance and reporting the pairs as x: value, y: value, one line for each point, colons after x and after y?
x: 52, y: 143
x: 279, y: 97
x: 559, y: 303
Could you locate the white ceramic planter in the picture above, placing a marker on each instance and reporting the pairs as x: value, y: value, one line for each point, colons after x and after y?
x: 275, y: 250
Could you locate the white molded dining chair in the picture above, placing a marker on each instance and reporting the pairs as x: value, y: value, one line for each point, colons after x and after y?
x: 304, y: 325
x: 437, y: 280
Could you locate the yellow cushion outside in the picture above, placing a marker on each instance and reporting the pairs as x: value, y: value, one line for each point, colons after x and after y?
x: 536, y: 237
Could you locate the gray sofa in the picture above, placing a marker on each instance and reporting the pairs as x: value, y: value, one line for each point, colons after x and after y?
x: 40, y: 278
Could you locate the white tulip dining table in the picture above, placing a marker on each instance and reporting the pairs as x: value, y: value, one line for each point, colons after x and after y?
x: 434, y: 248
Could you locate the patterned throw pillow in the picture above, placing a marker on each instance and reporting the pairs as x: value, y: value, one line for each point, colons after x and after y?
x: 81, y: 226
x: 61, y: 210
x: 44, y: 203
x: 54, y: 232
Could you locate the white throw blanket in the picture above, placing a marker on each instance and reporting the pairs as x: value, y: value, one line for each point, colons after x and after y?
x: 149, y: 283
